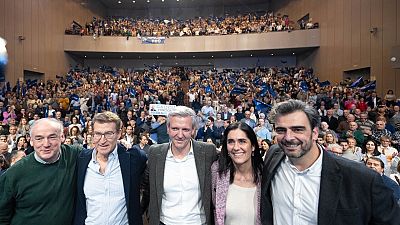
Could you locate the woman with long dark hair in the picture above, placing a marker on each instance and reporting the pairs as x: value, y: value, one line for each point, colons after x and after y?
x: 236, y: 177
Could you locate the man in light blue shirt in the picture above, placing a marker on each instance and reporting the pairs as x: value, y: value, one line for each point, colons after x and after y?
x: 109, y: 177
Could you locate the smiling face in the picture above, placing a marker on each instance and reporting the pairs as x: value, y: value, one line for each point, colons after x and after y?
x: 46, y: 140
x: 180, y: 131
x: 105, y: 138
x: 295, y: 135
x: 239, y: 147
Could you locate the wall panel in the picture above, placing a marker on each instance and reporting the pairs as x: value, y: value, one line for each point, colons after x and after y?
x: 2, y: 17
x: 355, y: 33
x: 389, y: 40
x: 365, y: 35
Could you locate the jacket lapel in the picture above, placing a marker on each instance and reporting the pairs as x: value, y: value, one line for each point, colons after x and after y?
x: 329, y: 194
x: 200, y: 159
x: 160, y: 166
x: 124, y: 164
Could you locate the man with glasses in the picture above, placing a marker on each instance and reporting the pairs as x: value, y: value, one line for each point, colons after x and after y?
x: 40, y: 188
x: 109, y: 177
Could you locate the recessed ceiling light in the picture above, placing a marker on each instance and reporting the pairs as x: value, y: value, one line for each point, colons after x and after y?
x: 271, y: 54
x: 175, y: 57
x: 162, y: 0
x: 103, y: 56
x: 293, y: 53
x: 212, y: 56
x: 251, y: 55
x: 122, y: 56
x: 194, y: 56
x: 119, y: 2
x: 140, y: 57
x: 231, y: 55
x: 134, y: 1
x: 148, y: 1
x: 85, y: 56
x: 157, y: 57
x: 176, y: 63
x: 177, y: 0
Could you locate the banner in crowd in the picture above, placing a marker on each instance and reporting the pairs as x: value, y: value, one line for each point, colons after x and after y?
x: 153, y: 40
x: 161, y: 109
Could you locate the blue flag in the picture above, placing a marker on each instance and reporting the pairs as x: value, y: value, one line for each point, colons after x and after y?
x: 370, y: 86
x: 324, y: 83
x: 261, y: 106
x: 264, y: 91
x: 271, y: 91
x: 304, y: 86
x: 208, y: 89
x: 238, y: 90
x: 356, y: 83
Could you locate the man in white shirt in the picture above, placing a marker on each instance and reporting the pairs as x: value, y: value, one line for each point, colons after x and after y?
x: 179, y: 174
x: 304, y: 184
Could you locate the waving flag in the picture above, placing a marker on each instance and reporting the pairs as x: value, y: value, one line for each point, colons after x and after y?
x: 356, y: 83
x: 370, y: 86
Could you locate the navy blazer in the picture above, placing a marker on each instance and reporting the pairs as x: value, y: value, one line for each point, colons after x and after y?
x: 133, y: 164
x: 350, y: 193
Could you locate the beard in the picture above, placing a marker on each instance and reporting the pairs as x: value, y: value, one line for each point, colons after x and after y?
x: 305, y: 147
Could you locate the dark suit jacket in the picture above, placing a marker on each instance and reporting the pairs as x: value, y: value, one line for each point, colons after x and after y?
x: 204, y: 155
x: 350, y: 193
x: 133, y: 164
x: 332, y: 122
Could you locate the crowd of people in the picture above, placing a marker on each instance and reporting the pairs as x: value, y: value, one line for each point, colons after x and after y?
x: 246, y: 23
x: 233, y: 110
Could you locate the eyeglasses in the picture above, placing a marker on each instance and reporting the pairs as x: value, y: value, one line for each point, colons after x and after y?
x: 108, y: 135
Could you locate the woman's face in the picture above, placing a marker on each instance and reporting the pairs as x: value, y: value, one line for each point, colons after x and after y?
x: 329, y: 138
x: 239, y: 147
x: 264, y: 145
x: 21, y: 141
x: 370, y: 146
x: 74, y: 120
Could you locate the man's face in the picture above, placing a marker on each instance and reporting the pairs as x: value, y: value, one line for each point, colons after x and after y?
x: 363, y: 117
x: 353, y: 126
x: 375, y: 165
x: 385, y: 142
x: 247, y: 114
x: 144, y: 140
x: 380, y: 125
x: 344, y: 145
x: 129, y: 130
x: 294, y: 134
x: 105, y: 137
x: 46, y: 140
x: 329, y: 112
x: 58, y: 115
x: 3, y: 148
x: 3, y: 139
x: 180, y: 131
x: 13, y: 130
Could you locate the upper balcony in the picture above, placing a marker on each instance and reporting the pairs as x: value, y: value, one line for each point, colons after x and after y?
x: 296, y: 39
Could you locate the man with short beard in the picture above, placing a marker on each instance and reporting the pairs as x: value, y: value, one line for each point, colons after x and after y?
x: 304, y: 184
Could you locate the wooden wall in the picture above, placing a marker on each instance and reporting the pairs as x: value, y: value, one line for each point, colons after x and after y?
x: 42, y: 23
x: 346, y: 41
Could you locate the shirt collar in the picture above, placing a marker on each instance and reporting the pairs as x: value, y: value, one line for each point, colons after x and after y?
x: 315, y: 168
x: 38, y: 159
x: 170, y: 155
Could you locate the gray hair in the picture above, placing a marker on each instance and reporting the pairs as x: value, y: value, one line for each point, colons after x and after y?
x: 52, y: 121
x: 183, y: 111
x: 291, y: 106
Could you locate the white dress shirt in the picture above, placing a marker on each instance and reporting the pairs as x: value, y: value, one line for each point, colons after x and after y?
x: 105, y: 196
x: 295, y: 194
x: 181, y: 200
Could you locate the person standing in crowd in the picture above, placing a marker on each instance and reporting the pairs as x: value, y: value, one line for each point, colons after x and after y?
x: 304, y: 184
x: 143, y: 144
x: 179, y: 177
x: 376, y: 164
x: 236, y: 177
x: 46, y: 180
x: 109, y: 177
